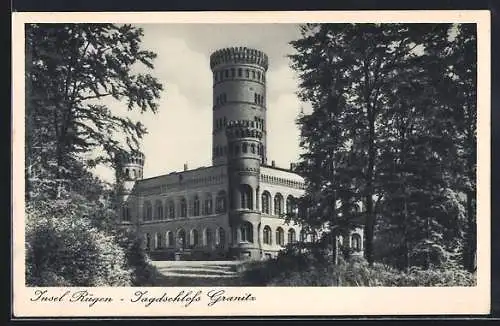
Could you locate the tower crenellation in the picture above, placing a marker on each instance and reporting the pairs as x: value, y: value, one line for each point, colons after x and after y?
x: 239, y: 55
x: 131, y: 166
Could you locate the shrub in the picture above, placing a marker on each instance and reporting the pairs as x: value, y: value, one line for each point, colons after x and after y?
x: 310, y: 268
x: 144, y: 273
x: 63, y: 248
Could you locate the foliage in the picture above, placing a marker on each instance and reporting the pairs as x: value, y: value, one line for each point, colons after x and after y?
x: 64, y: 249
x: 70, y: 68
x: 72, y: 237
x: 307, y: 269
x: 144, y: 273
x: 390, y: 143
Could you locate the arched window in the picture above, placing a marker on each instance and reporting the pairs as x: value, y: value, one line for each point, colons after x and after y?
x: 253, y: 74
x: 247, y: 73
x: 196, y: 206
x: 148, y: 211
x: 194, y: 238
x: 278, y: 204
x: 292, y: 237
x: 267, y: 237
x: 171, y: 209
x: 208, y: 237
x: 258, y: 75
x: 221, y: 241
x: 220, y: 202
x: 244, y: 147
x: 159, y: 241
x: 181, y: 238
x: 125, y: 213
x: 266, y: 201
x: 183, y: 207
x: 226, y: 73
x: 290, y: 205
x: 303, y: 236
x: 246, y: 197
x: 253, y: 148
x: 208, y: 206
x: 158, y: 210
x: 170, y: 239
x: 356, y: 242
x: 280, y: 236
x: 147, y: 238
x: 246, y: 232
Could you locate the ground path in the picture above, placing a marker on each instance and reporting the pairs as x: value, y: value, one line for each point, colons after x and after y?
x: 198, y: 273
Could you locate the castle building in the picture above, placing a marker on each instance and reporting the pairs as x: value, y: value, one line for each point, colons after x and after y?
x: 234, y: 208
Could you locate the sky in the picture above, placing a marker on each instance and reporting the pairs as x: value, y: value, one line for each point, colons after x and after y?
x: 181, y: 131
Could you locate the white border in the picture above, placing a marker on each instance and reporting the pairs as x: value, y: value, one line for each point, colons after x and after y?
x: 270, y: 301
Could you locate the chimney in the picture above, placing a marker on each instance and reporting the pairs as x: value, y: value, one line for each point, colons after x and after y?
x: 273, y: 164
x: 185, y: 166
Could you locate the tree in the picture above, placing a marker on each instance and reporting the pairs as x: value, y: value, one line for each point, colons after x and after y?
x: 454, y: 74
x: 322, y: 85
x: 69, y: 69
x: 391, y: 128
x: 356, y: 64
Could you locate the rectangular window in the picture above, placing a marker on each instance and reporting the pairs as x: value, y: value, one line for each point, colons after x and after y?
x: 247, y: 73
x: 240, y: 72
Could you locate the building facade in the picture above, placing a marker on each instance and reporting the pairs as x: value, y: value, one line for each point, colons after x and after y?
x: 235, y: 208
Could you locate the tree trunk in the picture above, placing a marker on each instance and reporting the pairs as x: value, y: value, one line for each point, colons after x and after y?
x: 370, y: 218
x: 405, y: 225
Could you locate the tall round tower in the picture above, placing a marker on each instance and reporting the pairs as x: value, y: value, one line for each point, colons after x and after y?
x: 239, y: 94
x: 239, y: 138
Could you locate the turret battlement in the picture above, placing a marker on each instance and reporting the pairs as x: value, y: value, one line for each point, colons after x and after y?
x: 239, y: 55
x: 243, y: 129
x: 136, y: 158
x: 130, y: 166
